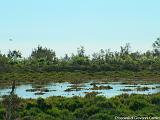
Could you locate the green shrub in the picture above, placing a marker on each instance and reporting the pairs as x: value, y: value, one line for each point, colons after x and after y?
x: 155, y: 100
x: 137, y: 105
x: 2, y: 113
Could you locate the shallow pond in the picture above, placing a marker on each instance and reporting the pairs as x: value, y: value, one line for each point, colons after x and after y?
x: 68, y: 90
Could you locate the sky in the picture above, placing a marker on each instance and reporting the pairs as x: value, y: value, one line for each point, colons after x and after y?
x: 64, y: 25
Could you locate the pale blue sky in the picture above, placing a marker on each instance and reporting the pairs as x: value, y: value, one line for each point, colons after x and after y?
x: 64, y: 25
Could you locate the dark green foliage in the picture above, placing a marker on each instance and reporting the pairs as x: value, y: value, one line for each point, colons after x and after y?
x: 155, y: 100
x: 43, y: 55
x: 41, y: 103
x: 101, y: 87
x: 2, y: 113
x: 92, y: 108
x: 137, y: 105
x: 14, y: 54
x: 107, y: 105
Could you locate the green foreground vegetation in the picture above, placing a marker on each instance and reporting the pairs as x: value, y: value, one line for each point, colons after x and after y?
x: 90, y: 107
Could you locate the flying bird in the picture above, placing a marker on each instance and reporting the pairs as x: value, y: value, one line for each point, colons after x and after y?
x: 10, y: 39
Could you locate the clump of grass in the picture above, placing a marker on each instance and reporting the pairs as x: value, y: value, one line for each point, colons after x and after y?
x: 157, y: 86
x: 126, y: 90
x: 132, y: 86
x: 129, y: 83
x: 39, y: 93
x: 95, y: 83
x: 91, y: 94
x: 38, y: 89
x: 143, y: 88
x: 77, y: 85
x: 37, y: 86
x: 101, y: 87
x: 73, y: 89
x: 31, y: 90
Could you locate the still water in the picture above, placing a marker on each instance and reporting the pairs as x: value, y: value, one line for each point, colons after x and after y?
x: 60, y: 89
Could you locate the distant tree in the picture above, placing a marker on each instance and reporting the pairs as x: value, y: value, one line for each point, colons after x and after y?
x: 80, y: 58
x: 135, y: 55
x: 102, y: 54
x: 95, y: 56
x: 125, y: 50
x: 156, y: 46
x: 76, y: 60
x: 81, y: 51
x: 66, y: 57
x: 108, y: 54
x: 45, y: 54
x: 14, y: 55
x: 148, y: 53
x: 4, y: 66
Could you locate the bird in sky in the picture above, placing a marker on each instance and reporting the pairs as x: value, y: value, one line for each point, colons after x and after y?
x: 10, y: 39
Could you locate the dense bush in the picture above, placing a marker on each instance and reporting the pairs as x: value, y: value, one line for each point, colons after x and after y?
x: 137, y: 105
x: 87, y: 108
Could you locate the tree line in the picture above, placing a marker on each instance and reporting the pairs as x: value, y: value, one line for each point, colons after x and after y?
x: 43, y: 59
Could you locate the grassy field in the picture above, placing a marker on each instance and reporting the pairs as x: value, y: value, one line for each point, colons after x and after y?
x: 77, y: 77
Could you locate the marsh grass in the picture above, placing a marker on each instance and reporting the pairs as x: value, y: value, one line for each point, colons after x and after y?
x: 101, y: 87
x: 78, y: 77
x: 142, y: 88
